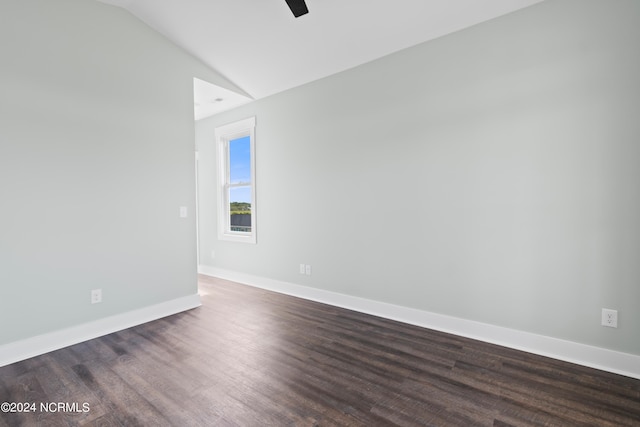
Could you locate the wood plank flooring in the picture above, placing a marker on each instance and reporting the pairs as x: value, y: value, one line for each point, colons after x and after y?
x: 250, y: 357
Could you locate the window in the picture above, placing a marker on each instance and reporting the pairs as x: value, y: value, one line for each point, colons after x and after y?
x: 236, y: 181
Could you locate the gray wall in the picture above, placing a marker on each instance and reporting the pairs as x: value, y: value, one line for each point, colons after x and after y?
x: 515, y: 145
x: 96, y: 157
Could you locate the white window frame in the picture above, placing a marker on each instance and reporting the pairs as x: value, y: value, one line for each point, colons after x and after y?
x: 223, y: 135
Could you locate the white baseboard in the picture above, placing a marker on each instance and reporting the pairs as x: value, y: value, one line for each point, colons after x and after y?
x: 41, y: 344
x: 581, y: 354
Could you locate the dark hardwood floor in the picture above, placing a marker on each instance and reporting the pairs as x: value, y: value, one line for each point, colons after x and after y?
x: 250, y: 357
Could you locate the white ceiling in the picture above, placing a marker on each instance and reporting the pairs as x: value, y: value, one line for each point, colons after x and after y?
x: 209, y: 99
x: 260, y: 47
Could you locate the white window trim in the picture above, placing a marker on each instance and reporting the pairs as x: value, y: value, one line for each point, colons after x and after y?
x: 223, y: 135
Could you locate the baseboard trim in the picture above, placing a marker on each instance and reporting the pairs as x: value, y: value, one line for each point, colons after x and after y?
x: 41, y: 344
x: 569, y: 351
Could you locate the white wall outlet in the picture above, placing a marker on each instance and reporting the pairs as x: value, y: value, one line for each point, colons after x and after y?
x: 183, y: 211
x: 213, y: 254
x: 96, y: 296
x: 305, y: 269
x: 609, y: 318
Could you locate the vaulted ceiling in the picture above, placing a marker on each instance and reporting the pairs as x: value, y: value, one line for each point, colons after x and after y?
x: 260, y: 47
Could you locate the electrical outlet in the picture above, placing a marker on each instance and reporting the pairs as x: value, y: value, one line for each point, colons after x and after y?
x: 609, y: 318
x: 305, y: 269
x: 96, y: 296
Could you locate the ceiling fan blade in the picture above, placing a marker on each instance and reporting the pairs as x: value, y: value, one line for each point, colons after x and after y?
x: 298, y: 7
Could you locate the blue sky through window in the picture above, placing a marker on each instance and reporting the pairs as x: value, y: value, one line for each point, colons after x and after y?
x: 240, y: 168
x: 240, y: 194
